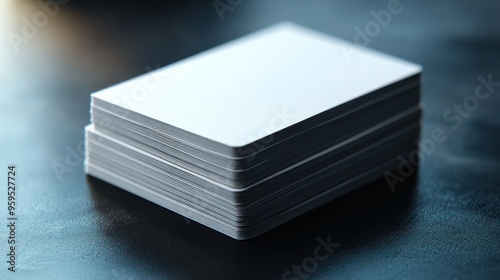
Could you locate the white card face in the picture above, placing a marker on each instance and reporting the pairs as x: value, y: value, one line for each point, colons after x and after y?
x: 254, y: 86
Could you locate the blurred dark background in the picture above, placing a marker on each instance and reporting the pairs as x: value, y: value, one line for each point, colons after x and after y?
x: 444, y: 223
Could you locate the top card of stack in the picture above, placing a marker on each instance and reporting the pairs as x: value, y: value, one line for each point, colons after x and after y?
x: 247, y: 109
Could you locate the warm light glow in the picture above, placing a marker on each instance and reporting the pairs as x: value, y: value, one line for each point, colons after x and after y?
x: 5, y: 11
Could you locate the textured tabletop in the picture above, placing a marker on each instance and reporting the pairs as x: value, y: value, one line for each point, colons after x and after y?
x: 441, y: 221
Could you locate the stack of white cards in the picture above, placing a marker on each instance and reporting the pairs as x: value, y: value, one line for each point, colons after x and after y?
x: 248, y: 135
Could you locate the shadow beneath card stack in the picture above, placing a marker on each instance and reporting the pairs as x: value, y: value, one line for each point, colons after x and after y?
x: 166, y: 244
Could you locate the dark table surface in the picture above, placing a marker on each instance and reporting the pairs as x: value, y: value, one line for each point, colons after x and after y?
x: 442, y: 223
